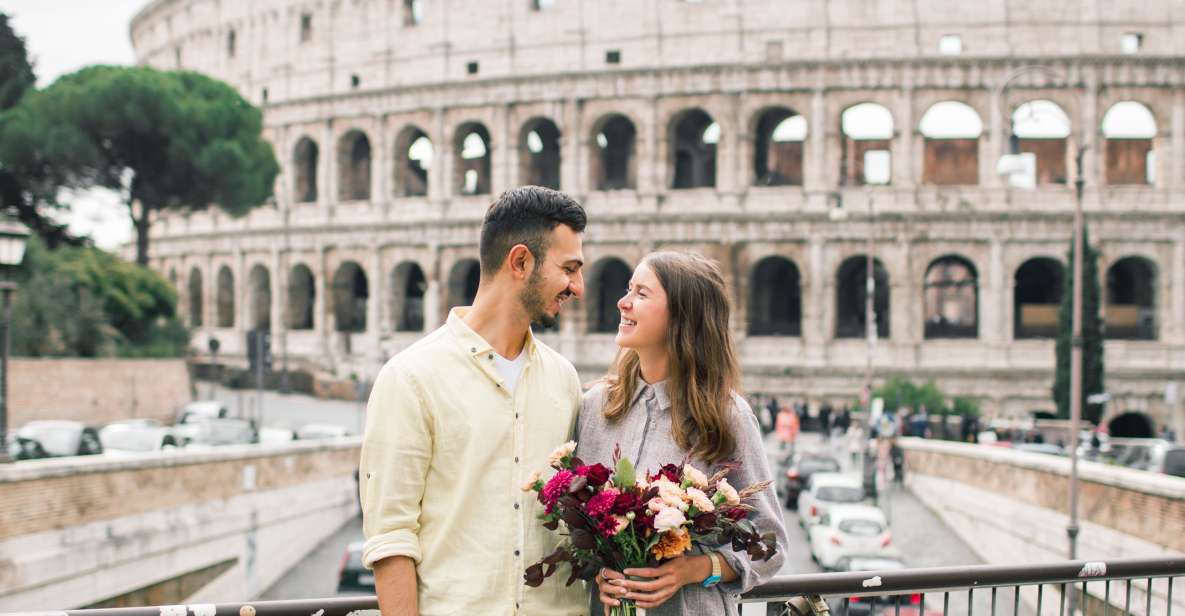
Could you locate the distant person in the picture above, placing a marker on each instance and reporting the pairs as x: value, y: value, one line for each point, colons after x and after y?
x: 773, y: 409
x: 825, y: 420
x: 787, y: 428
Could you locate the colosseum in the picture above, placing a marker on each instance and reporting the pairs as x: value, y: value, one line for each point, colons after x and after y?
x: 789, y: 140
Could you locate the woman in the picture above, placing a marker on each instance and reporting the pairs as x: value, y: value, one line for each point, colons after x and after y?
x: 671, y: 396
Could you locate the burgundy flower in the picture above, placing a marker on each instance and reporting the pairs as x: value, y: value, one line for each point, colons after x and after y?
x: 736, y: 513
x: 669, y: 471
x: 626, y: 502
x: 597, y: 474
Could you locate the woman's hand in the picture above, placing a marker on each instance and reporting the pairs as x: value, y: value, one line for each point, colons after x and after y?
x: 609, y: 587
x: 664, y: 581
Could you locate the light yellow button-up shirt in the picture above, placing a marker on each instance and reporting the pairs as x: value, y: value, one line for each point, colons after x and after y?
x: 446, y: 451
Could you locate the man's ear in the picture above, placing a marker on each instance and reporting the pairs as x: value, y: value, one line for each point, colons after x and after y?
x: 520, y: 261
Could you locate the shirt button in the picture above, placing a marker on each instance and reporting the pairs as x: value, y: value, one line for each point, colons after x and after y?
x: 516, y: 459
x: 472, y: 349
x: 491, y: 356
x: 516, y: 552
x: 516, y: 415
x: 516, y: 505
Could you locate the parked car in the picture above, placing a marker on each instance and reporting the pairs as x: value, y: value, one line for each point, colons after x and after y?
x: 875, y: 605
x: 136, y: 436
x: 352, y: 574
x: 50, y: 438
x: 1052, y: 449
x: 799, y: 471
x: 201, y: 409
x: 1148, y: 454
x: 825, y: 490
x: 216, y: 431
x: 320, y: 430
x: 271, y: 435
x: 850, y: 530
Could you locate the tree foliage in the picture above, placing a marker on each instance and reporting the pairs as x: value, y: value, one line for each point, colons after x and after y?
x: 1092, y: 336
x: 173, y: 140
x: 84, y: 302
x: 899, y: 392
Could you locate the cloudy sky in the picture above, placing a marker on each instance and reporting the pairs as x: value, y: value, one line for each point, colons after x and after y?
x: 63, y: 36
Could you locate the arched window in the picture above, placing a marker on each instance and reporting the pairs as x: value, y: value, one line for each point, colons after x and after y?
x: 951, y: 293
x: 693, y: 150
x: 1037, y: 297
x: 851, y: 290
x: 260, y: 285
x: 951, y: 130
x: 1131, y: 424
x: 775, y: 299
x: 408, y: 286
x: 304, y: 161
x: 1129, y: 129
x: 353, y: 167
x: 778, y: 148
x: 1040, y: 128
x: 302, y: 295
x: 462, y: 282
x: 196, y: 299
x: 226, y: 297
x: 472, y: 147
x: 612, y: 160
x: 610, y: 281
x: 867, y: 135
x: 413, y: 159
x: 350, y: 293
x: 539, y: 154
x: 1131, y: 300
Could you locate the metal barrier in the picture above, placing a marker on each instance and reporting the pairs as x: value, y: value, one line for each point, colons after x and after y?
x: 1100, y: 588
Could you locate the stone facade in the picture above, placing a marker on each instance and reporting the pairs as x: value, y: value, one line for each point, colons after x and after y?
x: 365, y: 248
x: 115, y: 389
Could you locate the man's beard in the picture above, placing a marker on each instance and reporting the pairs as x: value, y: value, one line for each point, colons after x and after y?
x: 535, y: 304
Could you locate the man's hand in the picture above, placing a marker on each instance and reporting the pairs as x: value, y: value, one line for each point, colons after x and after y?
x: 395, y: 584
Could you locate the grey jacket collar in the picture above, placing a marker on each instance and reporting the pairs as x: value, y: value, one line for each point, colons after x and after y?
x: 653, y: 392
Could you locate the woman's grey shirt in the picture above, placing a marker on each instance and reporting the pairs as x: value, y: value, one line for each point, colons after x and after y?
x: 645, y: 436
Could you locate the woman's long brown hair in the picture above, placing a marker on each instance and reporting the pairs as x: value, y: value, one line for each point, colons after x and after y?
x: 703, y: 368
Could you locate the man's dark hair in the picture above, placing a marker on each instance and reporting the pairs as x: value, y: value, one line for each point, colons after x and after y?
x: 525, y: 215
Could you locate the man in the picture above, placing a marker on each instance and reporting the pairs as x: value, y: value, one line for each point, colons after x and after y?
x: 458, y: 422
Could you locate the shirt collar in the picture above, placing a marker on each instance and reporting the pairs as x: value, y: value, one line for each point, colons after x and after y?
x: 652, y: 391
x: 472, y: 342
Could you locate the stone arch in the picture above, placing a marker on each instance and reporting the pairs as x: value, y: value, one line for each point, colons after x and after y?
x: 1036, y: 298
x: 1131, y: 296
x: 539, y: 153
x: 413, y: 160
x: 353, y: 166
x: 259, y: 286
x: 866, y: 146
x: 463, y: 280
x: 304, y: 162
x: 302, y: 295
x: 1042, y: 128
x: 350, y: 294
x: 225, y: 297
x: 196, y: 297
x: 613, y: 160
x: 951, y: 130
x: 694, y: 136
x: 608, y: 283
x: 778, y: 142
x: 472, y: 145
x: 775, y: 298
x: 1131, y: 424
x: 1129, y: 130
x: 851, y: 291
x: 951, y: 298
x: 408, y: 287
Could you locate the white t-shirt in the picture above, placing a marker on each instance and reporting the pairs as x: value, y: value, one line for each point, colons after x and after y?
x: 510, y: 369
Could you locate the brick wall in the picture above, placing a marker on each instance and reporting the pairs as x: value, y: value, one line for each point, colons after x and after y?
x: 96, y: 391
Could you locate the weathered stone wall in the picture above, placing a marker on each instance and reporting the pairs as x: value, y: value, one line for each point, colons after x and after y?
x: 96, y: 391
x: 92, y: 528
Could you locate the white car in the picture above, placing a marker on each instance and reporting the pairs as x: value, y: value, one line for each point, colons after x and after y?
x: 850, y: 530
x: 201, y: 409
x: 824, y: 491
x: 49, y: 438
x: 319, y: 431
x: 136, y: 436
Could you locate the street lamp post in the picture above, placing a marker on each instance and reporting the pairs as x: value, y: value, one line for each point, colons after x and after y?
x: 12, y: 250
x: 1076, y: 306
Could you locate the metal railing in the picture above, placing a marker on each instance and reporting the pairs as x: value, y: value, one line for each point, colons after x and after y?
x: 1093, y: 588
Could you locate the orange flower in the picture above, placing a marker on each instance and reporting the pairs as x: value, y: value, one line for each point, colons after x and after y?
x: 673, y: 543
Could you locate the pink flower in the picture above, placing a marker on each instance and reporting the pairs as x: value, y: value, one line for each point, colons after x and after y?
x: 655, y: 504
x: 669, y: 518
x: 699, y: 500
x: 694, y: 476
x: 556, y: 487
x: 561, y: 452
x: 730, y: 493
x: 601, y: 503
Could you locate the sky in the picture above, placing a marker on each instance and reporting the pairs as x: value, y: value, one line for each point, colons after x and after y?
x: 61, y: 37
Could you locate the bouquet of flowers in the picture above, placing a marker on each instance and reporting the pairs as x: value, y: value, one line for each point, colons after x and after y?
x: 618, y: 520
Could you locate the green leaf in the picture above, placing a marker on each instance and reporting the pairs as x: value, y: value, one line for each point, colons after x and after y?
x: 624, y: 476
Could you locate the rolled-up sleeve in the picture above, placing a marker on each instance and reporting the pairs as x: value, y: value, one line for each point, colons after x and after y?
x: 396, y: 453
x: 767, y: 517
